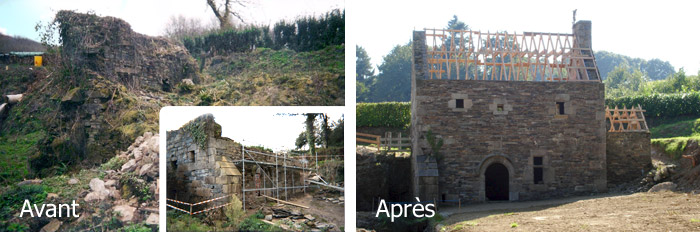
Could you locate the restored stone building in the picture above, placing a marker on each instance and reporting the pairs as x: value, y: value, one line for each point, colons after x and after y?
x: 521, y: 135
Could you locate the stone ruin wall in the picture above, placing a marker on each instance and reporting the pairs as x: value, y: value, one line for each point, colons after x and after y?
x: 195, y: 174
x: 199, y: 174
x: 108, y: 46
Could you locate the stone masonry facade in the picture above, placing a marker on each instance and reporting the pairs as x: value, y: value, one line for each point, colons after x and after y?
x: 550, y: 136
x: 628, y: 156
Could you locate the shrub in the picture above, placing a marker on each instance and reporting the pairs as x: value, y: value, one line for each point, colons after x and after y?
x: 384, y: 114
x: 113, y: 164
x: 234, y: 212
x: 304, y: 34
x: 660, y: 105
x: 253, y: 223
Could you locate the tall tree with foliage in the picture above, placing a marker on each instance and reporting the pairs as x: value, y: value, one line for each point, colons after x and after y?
x: 364, y: 72
x: 622, y: 81
x: 393, y: 83
x: 325, y: 130
x: 310, y: 136
x: 363, y: 65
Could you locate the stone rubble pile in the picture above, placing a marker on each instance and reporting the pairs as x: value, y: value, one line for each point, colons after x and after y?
x: 339, y: 200
x: 135, y: 201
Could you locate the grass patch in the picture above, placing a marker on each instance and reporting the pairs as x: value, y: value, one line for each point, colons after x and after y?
x: 673, y: 147
x: 694, y: 220
x: 185, y: 222
x: 682, y: 128
x: 254, y: 223
x: 462, y: 225
x: 135, y: 228
x: 513, y: 225
x: 59, y: 184
x: 14, y: 151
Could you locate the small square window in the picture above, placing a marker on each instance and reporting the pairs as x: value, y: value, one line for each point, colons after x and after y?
x: 560, y: 108
x: 459, y: 103
x: 499, y: 107
x: 537, y: 160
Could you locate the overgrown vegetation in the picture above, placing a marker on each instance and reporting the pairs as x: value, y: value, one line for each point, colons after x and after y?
x: 12, y: 199
x: 435, y: 144
x: 13, y: 155
x: 184, y: 222
x: 674, y: 146
x: 132, y: 186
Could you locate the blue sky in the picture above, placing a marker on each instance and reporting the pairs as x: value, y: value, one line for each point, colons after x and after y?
x: 18, y: 17
x: 667, y: 30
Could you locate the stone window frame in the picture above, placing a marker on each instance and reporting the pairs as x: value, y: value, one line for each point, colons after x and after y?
x: 562, y: 100
x: 500, y: 106
x: 466, y: 102
x: 546, y: 169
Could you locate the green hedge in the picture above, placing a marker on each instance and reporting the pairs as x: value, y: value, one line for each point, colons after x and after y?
x: 303, y: 34
x: 661, y: 105
x: 384, y: 114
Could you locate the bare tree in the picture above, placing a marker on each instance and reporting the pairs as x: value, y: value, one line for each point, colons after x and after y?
x: 179, y: 27
x: 224, y: 11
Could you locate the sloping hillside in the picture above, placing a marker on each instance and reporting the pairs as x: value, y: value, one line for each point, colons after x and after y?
x: 273, y: 77
x: 19, y: 44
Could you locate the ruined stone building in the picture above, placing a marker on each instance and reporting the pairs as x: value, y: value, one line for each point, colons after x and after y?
x: 108, y: 46
x: 519, y: 116
x: 202, y: 165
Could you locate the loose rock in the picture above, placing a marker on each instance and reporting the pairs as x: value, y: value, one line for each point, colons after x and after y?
x: 665, y: 186
x: 52, y: 226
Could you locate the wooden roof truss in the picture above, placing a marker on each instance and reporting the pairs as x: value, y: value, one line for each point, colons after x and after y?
x: 530, y: 56
x: 626, y: 120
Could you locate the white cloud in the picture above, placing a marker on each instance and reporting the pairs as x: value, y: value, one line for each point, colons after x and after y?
x: 3, y: 31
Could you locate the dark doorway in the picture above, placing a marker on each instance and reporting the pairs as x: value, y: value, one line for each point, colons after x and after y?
x: 496, y: 182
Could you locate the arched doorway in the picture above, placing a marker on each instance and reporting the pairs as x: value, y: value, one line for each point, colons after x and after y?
x: 496, y: 182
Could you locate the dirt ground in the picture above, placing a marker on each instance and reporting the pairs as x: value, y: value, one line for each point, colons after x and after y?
x: 664, y: 211
x: 323, y: 210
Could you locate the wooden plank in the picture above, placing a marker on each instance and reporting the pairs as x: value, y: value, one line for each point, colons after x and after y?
x: 286, y: 202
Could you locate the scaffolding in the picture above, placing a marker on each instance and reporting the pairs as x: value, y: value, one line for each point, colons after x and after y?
x: 529, y: 56
x: 247, y: 157
x: 273, y: 188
